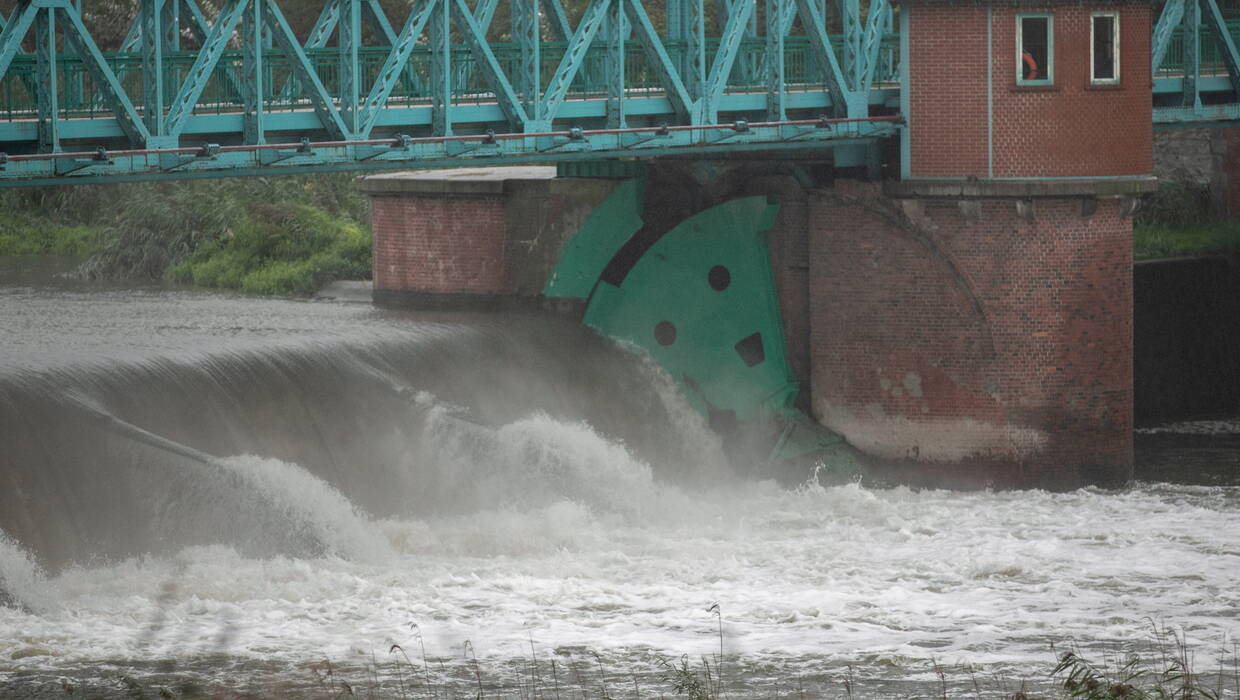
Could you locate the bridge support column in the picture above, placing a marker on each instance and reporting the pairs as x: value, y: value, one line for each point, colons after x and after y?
x: 473, y: 238
x: 976, y: 334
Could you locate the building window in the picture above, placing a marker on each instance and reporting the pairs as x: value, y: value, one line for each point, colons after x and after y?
x: 1104, y: 49
x: 1035, y: 49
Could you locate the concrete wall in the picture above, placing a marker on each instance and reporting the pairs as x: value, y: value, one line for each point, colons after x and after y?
x: 1070, y: 128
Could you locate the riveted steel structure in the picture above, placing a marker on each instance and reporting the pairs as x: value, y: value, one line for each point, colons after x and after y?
x: 189, y: 95
x: 1196, y: 65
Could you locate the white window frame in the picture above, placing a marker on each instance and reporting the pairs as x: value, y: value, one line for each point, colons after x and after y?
x: 1049, y: 69
x: 1093, y: 18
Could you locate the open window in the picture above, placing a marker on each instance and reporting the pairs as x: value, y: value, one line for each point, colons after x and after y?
x: 1104, y: 48
x: 1035, y: 49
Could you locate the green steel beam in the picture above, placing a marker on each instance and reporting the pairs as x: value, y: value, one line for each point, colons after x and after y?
x: 334, y: 158
x: 876, y: 26
x: 617, y: 30
x: 397, y: 61
x: 474, y: 37
x: 558, y: 19
x: 205, y: 62
x: 150, y: 17
x: 349, y: 42
x: 725, y: 59
x: 284, y: 38
x: 1192, y: 53
x: 1168, y: 21
x: 379, y: 20
x: 664, y: 69
x: 773, y: 57
x: 1231, y: 58
x: 349, y: 46
x: 253, y: 72
x: 48, y: 93
x: 112, y: 92
x: 843, y: 98
x: 693, y: 58
x: 441, y: 68
x: 319, y: 34
x: 527, y: 74
x: 574, y: 56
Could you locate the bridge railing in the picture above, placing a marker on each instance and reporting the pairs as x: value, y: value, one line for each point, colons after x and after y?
x: 80, y: 98
x: 1212, y: 52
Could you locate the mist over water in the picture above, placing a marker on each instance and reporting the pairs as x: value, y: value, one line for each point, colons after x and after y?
x: 232, y: 491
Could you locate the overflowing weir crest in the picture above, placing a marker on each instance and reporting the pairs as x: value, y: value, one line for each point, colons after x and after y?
x: 298, y: 447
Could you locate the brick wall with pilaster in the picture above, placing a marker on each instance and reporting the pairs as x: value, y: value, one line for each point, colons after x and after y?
x: 997, y: 352
x: 439, y: 243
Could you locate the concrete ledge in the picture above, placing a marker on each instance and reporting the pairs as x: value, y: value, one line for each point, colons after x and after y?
x: 455, y: 181
x: 1106, y: 187
x: 410, y: 300
x: 451, y: 301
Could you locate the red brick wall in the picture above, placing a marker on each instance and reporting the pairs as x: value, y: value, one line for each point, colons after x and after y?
x: 439, y: 244
x: 998, y: 352
x: 1069, y: 129
x: 947, y: 89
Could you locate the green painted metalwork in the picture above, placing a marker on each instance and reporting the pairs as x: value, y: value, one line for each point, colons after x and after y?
x: 725, y: 59
x: 245, y: 76
x: 592, y: 247
x: 697, y: 295
x: 1192, y: 53
x: 574, y: 56
x: 45, y: 51
x: 617, y: 31
x: 1195, y: 62
x: 701, y: 301
x: 773, y: 58
x: 253, y: 73
x: 527, y: 79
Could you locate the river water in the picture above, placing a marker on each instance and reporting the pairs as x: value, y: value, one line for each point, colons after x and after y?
x: 203, y: 494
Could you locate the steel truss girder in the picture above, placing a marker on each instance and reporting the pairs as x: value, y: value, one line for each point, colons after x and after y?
x: 1190, y: 17
x: 212, y: 161
x: 348, y: 109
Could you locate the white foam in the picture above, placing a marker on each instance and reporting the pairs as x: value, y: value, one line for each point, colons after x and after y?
x: 597, y: 554
x: 20, y: 575
x: 309, y: 503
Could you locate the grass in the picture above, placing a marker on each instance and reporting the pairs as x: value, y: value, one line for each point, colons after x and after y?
x: 1154, y: 240
x: 1179, y: 219
x: 1159, y: 666
x: 270, y: 235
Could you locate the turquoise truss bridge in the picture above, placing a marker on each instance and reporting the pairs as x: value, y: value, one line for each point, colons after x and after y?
x: 188, y: 95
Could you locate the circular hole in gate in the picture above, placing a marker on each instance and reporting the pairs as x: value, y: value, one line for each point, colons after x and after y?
x: 719, y: 277
x: 665, y: 333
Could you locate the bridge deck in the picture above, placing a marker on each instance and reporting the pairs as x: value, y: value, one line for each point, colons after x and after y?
x: 188, y: 97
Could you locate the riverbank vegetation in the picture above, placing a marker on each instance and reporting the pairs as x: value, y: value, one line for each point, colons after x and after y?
x: 269, y: 235
x: 1181, y: 220
x: 1161, y: 665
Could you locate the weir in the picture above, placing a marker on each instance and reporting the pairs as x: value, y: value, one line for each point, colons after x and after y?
x: 150, y: 455
x: 957, y: 313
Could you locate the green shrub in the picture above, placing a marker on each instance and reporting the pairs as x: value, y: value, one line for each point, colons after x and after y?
x: 1162, y: 241
x: 224, y: 233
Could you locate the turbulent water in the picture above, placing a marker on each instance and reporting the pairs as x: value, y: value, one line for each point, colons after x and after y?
x: 202, y: 494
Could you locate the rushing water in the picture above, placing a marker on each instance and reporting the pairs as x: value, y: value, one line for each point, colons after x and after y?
x: 206, y: 494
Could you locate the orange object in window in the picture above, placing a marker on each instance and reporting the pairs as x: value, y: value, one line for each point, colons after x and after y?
x: 1031, y: 66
